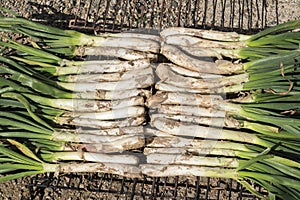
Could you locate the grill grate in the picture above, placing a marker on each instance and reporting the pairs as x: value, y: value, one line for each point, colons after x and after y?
x: 107, y: 185
x: 120, y: 15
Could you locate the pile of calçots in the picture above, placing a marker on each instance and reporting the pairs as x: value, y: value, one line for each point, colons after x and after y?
x: 176, y: 102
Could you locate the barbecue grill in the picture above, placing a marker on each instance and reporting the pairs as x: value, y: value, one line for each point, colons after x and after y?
x: 97, y: 16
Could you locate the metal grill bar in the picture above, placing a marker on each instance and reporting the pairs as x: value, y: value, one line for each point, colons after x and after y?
x: 146, y: 188
x: 120, y: 15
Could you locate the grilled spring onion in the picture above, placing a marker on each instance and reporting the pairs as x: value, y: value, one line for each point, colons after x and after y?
x: 174, y: 127
x: 19, y: 124
x: 280, y: 38
x: 127, y: 116
x: 278, y: 74
x: 279, y: 175
x: 52, y: 88
x: 47, y: 60
x: 265, y: 116
x: 280, y: 167
x: 269, y: 41
x: 130, y: 80
x: 174, y: 155
x: 269, y: 73
x: 82, y: 44
x: 138, y: 82
x: 205, y: 64
x: 26, y: 163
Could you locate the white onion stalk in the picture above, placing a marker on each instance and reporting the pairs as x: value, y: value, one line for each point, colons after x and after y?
x: 181, y: 159
x: 172, y: 141
x: 142, y: 35
x: 98, y: 77
x: 116, y: 145
x: 187, y: 170
x: 191, y: 151
x: 90, y: 157
x: 130, y: 130
x: 125, y: 170
x: 207, y: 65
x: 163, y: 86
x: 191, y: 130
x: 112, y: 95
x: 151, y: 132
x: 130, y: 142
x: 180, y: 98
x: 88, y: 138
x: 227, y: 122
x: 133, y: 43
x: 137, y: 82
x: 205, y: 34
x: 166, y: 74
x: 195, y: 42
x: 206, y: 51
x: 127, y: 112
x: 100, y: 124
x: 97, y: 66
x: 116, y: 52
x: 109, y: 77
x: 87, y: 105
x: 31, y: 164
x: 123, y: 144
x: 190, y: 110
x: 190, y: 73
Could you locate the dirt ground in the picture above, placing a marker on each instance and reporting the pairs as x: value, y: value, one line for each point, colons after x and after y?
x: 58, y: 12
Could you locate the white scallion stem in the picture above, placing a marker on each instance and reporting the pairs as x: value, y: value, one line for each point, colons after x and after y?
x: 100, y: 66
x: 143, y: 35
x: 127, y: 112
x: 133, y: 43
x: 97, y: 77
x: 108, y: 77
x: 180, y: 142
x: 185, y: 170
x: 87, y: 105
x: 163, y: 86
x: 123, y: 144
x: 94, y: 157
x: 191, y: 110
x: 102, y: 124
x: 181, y: 159
x: 130, y: 171
x: 208, y: 121
x: 112, y: 95
x: 166, y: 74
x: 117, y: 52
x: 204, y: 65
x: 180, y: 98
x: 212, y: 52
x: 150, y: 132
x: 131, y: 130
x: 192, y: 151
x: 186, y: 129
x: 87, y: 138
x: 137, y: 82
x: 189, y: 73
x: 205, y: 34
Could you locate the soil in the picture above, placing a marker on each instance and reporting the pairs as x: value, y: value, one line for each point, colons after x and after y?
x: 59, y: 13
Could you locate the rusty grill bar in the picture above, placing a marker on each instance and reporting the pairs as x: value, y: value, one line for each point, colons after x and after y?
x: 120, y: 15
x: 147, y: 188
